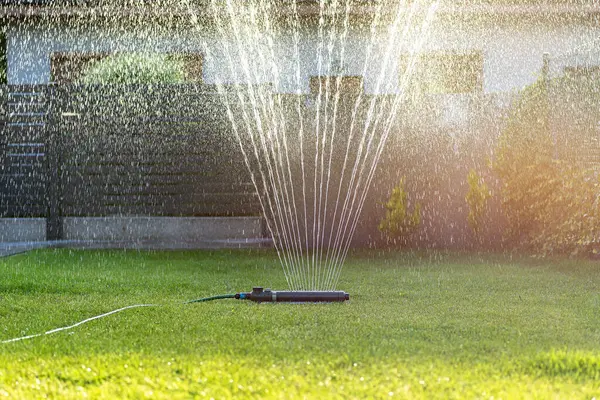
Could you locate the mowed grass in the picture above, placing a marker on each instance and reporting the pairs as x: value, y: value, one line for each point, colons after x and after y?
x: 427, y: 325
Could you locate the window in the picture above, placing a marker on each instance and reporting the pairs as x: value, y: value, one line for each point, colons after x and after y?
x: 445, y: 73
x: 349, y: 85
x: 192, y: 66
x: 68, y: 67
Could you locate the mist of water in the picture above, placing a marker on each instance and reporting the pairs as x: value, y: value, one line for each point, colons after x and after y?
x: 312, y: 165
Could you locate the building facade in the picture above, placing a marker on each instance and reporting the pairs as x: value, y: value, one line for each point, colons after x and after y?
x: 469, y: 49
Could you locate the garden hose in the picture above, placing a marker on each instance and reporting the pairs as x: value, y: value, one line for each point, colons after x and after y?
x: 257, y: 295
x: 64, y: 328
x: 221, y: 296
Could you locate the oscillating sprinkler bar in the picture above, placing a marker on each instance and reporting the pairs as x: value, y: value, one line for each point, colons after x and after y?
x: 261, y: 295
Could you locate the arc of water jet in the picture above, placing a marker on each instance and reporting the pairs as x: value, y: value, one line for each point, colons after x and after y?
x: 282, y: 258
x: 374, y: 23
x: 240, y: 142
x: 354, y: 223
x: 321, y: 225
x: 343, y: 42
x: 354, y: 214
x: 234, y: 128
x: 358, y: 101
x: 392, y: 115
x: 281, y: 234
x: 364, y: 194
x: 276, y: 151
x: 317, y: 132
x: 373, y: 29
x: 275, y: 232
x: 358, y: 165
x: 269, y: 139
x: 278, y: 235
x: 300, y: 128
x: 289, y: 177
x: 276, y: 156
x: 371, y: 124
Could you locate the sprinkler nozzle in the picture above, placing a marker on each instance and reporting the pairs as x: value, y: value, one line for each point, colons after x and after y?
x: 261, y: 295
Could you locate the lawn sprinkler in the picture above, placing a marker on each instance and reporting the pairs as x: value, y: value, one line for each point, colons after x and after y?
x: 261, y: 295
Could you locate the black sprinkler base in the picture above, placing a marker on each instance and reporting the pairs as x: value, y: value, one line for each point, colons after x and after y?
x: 261, y: 295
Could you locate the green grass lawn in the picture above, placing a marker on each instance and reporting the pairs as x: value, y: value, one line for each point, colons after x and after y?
x: 426, y: 325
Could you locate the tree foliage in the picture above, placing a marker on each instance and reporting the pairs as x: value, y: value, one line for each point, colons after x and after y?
x: 551, y: 204
x: 476, y: 199
x: 399, y: 222
x: 131, y: 68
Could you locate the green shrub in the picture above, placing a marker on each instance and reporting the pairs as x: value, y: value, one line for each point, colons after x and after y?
x: 399, y: 222
x: 131, y: 68
x: 476, y: 199
x: 551, y: 204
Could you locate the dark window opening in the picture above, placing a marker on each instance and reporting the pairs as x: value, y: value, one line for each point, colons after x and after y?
x: 348, y: 85
x: 192, y: 66
x: 445, y: 73
x: 69, y: 67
